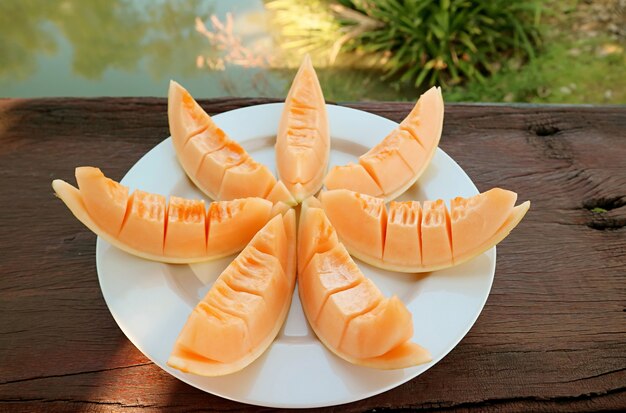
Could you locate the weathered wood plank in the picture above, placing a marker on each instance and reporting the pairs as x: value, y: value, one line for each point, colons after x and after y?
x: 552, y: 335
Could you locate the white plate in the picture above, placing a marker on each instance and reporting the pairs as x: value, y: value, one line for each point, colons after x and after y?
x: 151, y: 301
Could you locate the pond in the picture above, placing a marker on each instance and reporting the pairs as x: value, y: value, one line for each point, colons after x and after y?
x: 133, y: 48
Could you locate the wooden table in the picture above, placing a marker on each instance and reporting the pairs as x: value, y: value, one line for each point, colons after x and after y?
x: 551, y: 337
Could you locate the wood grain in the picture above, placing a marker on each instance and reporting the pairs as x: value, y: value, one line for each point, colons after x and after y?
x: 552, y: 336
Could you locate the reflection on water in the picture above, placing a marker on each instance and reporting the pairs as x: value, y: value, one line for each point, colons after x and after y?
x: 133, y: 47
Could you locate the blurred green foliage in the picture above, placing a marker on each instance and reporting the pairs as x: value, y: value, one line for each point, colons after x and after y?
x: 422, y: 42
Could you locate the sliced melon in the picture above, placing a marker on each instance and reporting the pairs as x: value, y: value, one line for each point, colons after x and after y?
x: 392, y: 166
x: 421, y: 237
x: 143, y: 224
x: 216, y: 164
x: 346, y: 310
x: 245, y: 308
x: 303, y: 138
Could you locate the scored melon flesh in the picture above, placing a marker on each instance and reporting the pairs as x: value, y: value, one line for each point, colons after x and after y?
x: 327, y: 273
x: 364, y: 228
x: 261, y: 274
x: 425, y: 121
x: 150, y: 229
x: 393, y: 165
x: 251, y: 308
x: 248, y: 179
x: 214, y: 165
x: 403, y: 237
x: 435, y: 230
x: 378, y: 331
x: 106, y: 199
x: 198, y: 146
x: 303, y: 138
x: 244, y: 309
x: 144, y: 223
x: 345, y: 309
x: 274, y: 242
x: 393, y: 162
x: 231, y: 221
x: 476, y: 218
x: 315, y: 235
x: 185, y: 231
x: 186, y: 118
x: 280, y: 193
x: 353, y: 176
x: 343, y: 306
x: 425, y: 237
x: 213, y: 334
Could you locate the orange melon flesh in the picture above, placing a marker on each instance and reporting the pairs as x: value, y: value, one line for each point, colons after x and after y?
x: 216, y: 164
x: 403, y: 237
x: 345, y: 309
x: 260, y: 274
x: 151, y: 229
x: 144, y: 224
x: 476, y: 218
x: 105, y: 198
x: 353, y: 176
x: 248, y: 179
x: 425, y: 122
x: 200, y: 145
x: 378, y: 331
x: 402, y: 356
x: 343, y: 306
x: 303, y: 138
x: 280, y: 193
x: 327, y: 273
x: 364, y: 227
x: 435, y: 230
x: 425, y: 237
x: 232, y: 221
x: 213, y: 334
x: 315, y: 235
x: 280, y: 208
x: 274, y: 242
x: 251, y: 308
x: 393, y: 162
x: 186, y: 118
x: 244, y: 309
x: 185, y: 231
x: 393, y: 165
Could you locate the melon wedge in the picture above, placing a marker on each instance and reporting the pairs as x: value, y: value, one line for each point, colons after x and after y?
x: 145, y: 225
x: 216, y: 164
x: 421, y: 237
x: 346, y: 310
x: 245, y: 308
x: 303, y: 138
x: 392, y: 166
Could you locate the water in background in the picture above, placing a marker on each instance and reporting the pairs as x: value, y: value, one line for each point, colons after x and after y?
x: 133, y: 47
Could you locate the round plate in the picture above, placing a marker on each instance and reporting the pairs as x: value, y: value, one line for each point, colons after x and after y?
x: 151, y: 301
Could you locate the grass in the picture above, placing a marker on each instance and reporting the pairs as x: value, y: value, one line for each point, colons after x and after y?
x: 588, y: 70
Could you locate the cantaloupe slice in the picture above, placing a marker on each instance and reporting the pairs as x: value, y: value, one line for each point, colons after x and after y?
x: 303, y: 138
x: 392, y: 166
x: 421, y: 238
x: 346, y: 310
x: 144, y: 225
x: 245, y: 308
x: 216, y: 164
